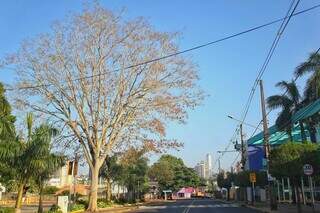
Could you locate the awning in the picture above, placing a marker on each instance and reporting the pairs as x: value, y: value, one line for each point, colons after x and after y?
x: 278, y: 137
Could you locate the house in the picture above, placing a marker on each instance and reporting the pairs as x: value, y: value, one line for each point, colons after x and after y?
x: 185, y: 192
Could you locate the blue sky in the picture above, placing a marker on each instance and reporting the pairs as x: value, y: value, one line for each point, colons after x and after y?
x: 227, y: 70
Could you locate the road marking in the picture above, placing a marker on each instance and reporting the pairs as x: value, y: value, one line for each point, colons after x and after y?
x: 186, y: 210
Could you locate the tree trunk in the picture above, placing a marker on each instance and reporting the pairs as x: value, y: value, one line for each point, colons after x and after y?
x: 303, y: 134
x: 93, y: 196
x: 228, y: 194
x: 19, y: 198
x: 108, y: 190
x: 298, y: 200
x: 312, y: 131
x: 290, y: 135
x: 40, y: 208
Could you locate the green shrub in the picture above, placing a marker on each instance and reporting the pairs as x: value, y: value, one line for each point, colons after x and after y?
x: 103, y: 204
x: 49, y: 190
x: 54, y: 209
x: 6, y: 210
x: 76, y: 207
x: 83, y: 202
x: 120, y: 201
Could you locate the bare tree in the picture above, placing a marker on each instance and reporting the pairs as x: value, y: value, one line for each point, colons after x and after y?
x: 95, y: 74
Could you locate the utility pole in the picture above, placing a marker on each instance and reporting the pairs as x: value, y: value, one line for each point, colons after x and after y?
x: 242, y: 148
x: 219, y: 165
x: 273, y: 204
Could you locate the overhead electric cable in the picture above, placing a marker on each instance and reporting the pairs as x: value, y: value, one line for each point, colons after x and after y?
x: 181, y: 52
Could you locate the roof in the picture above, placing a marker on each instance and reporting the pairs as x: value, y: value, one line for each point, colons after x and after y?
x: 186, y: 190
x: 278, y: 137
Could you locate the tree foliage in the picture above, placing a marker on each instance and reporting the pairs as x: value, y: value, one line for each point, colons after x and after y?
x: 288, y: 159
x: 290, y: 102
x: 81, y: 75
x: 31, y: 159
x: 171, y: 173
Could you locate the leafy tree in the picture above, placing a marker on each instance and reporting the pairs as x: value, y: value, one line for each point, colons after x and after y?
x: 7, y: 136
x: 312, y: 89
x: 96, y: 93
x: 225, y: 180
x: 288, y: 160
x: 7, y: 130
x: 242, y: 179
x: 134, y: 172
x: 110, y: 171
x: 290, y: 102
x: 171, y: 173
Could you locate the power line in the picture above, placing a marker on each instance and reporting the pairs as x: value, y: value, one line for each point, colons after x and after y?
x: 294, y: 80
x: 183, y: 51
x: 264, y: 66
x: 234, y: 161
x: 269, y: 56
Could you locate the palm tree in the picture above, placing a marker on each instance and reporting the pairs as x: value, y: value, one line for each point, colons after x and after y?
x: 312, y: 66
x: 31, y: 158
x: 46, y: 163
x: 6, y: 119
x: 312, y: 89
x: 290, y: 102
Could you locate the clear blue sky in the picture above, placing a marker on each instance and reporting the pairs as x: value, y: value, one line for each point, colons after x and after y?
x: 227, y: 70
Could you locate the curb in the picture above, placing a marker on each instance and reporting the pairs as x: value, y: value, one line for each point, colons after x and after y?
x: 246, y: 206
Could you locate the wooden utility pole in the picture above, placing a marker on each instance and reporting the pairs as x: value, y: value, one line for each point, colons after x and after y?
x: 273, y: 204
x: 242, y: 147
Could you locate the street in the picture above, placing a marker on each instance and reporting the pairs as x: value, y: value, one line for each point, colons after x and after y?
x: 194, y: 206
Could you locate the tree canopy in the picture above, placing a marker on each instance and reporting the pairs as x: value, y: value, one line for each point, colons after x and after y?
x: 104, y: 85
x: 171, y: 173
x: 288, y: 159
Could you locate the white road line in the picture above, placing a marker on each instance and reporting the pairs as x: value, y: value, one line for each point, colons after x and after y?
x: 188, y: 207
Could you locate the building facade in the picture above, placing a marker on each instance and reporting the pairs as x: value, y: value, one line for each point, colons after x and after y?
x: 204, y: 169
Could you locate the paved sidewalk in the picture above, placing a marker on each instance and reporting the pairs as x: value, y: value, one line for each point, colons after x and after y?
x: 282, y: 208
x: 285, y: 208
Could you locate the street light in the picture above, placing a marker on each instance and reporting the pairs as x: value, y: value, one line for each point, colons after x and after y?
x: 247, y: 124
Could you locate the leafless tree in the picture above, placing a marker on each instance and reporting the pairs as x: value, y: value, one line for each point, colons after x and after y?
x: 81, y: 75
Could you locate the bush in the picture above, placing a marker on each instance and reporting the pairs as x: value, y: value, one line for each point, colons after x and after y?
x: 121, y: 201
x: 6, y: 210
x: 54, y: 209
x: 76, y: 207
x: 103, y: 204
x: 85, y: 203
x: 49, y: 190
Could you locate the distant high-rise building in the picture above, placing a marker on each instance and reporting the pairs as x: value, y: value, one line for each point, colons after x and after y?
x: 200, y: 169
x: 208, y: 166
x: 204, y: 168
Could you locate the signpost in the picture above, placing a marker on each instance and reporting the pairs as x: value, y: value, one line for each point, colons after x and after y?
x: 253, y: 180
x: 308, y: 170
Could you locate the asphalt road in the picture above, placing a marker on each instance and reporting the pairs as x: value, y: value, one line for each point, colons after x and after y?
x: 194, y: 206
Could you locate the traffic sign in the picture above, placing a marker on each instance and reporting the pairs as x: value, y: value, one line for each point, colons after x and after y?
x: 253, y: 177
x: 307, y: 169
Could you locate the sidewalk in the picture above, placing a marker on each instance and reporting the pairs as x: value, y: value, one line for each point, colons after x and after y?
x: 127, y: 208
x: 282, y: 208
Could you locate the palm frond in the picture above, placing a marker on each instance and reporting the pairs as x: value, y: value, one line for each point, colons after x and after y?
x: 312, y: 64
x: 278, y: 101
x: 291, y: 90
x: 283, y: 121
